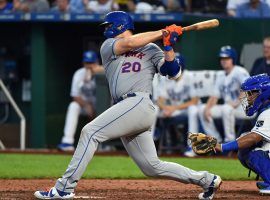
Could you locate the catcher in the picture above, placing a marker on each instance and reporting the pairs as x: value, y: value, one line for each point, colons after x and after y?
x: 253, y: 147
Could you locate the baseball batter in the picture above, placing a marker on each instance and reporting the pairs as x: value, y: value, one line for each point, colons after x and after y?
x: 130, y: 62
x: 226, y: 87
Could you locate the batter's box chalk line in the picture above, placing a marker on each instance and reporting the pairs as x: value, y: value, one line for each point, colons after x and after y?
x: 88, y: 197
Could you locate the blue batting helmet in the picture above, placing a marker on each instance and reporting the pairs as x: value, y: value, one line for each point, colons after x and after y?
x: 90, y: 57
x: 256, y: 91
x: 228, y: 52
x: 119, y: 22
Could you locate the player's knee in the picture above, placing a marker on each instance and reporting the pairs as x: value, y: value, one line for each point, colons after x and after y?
x: 88, y: 130
x: 227, y: 109
x: 243, y: 155
x: 193, y: 111
x: 152, y: 168
x: 201, y: 111
x: 257, y: 158
x: 91, y: 132
x: 74, y: 106
x: 85, y: 130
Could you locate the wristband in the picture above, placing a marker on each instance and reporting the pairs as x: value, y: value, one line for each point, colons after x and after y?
x: 167, y: 48
x: 229, y: 146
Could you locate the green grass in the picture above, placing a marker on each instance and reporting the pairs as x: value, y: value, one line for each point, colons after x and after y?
x: 121, y: 167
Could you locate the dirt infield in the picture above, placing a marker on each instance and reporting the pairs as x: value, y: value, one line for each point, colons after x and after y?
x: 130, y: 189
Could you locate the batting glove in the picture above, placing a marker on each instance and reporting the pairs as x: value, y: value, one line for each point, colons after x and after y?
x: 171, y: 34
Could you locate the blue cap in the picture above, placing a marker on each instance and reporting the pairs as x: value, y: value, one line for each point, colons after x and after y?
x: 90, y: 57
x: 228, y: 52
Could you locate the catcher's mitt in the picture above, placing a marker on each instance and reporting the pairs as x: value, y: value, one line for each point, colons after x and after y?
x: 202, y: 144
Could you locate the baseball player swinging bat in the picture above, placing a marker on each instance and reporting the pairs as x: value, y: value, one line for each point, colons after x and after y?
x: 202, y: 25
x: 130, y: 62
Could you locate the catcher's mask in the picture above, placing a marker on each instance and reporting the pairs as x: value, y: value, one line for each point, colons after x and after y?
x: 117, y: 22
x: 255, y: 93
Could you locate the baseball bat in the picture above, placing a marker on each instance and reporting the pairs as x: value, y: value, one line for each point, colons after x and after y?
x: 202, y: 25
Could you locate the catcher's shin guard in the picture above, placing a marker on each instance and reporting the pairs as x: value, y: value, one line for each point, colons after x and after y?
x: 257, y: 161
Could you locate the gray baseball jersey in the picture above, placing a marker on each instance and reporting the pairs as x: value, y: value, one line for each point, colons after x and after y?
x: 133, y: 71
x: 228, y: 86
x: 130, y: 119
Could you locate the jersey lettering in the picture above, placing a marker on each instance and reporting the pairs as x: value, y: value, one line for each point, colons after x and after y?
x: 131, y: 67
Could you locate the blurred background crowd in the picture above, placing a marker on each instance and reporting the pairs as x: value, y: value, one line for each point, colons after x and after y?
x: 233, y: 8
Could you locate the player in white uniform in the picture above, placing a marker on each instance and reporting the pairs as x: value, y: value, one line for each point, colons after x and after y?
x: 83, y: 93
x: 130, y: 62
x: 226, y: 87
x: 177, y: 101
x: 254, y: 146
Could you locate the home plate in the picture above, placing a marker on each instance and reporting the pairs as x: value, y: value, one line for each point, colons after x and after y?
x: 88, y: 197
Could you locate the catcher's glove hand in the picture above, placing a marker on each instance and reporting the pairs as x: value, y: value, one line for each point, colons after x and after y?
x: 202, y: 144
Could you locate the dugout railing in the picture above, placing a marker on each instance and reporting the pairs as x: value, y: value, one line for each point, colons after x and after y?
x: 20, y: 115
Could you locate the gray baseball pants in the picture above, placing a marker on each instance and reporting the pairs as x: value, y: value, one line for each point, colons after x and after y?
x: 130, y: 120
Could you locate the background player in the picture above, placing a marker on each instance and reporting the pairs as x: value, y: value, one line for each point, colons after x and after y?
x: 83, y: 93
x: 130, y: 62
x: 227, y: 87
x: 178, y: 101
x: 262, y: 65
x: 254, y: 146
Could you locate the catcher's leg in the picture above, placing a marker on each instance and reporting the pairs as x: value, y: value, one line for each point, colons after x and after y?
x: 71, y: 122
x: 142, y: 150
x: 256, y: 160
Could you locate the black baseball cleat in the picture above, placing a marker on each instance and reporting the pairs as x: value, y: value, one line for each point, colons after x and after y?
x: 209, y: 193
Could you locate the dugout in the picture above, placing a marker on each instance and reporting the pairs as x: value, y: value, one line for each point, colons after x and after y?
x: 47, y: 50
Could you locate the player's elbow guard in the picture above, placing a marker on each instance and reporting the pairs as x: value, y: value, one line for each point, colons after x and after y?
x: 172, y: 69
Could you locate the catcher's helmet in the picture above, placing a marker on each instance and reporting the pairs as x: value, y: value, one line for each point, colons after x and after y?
x: 90, y: 57
x: 228, y: 52
x: 255, y: 93
x: 118, y: 22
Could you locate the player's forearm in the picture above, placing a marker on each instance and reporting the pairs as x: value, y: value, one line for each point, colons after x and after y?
x: 249, y: 140
x: 98, y: 69
x: 161, y: 103
x: 211, y: 102
x: 246, y: 141
x: 185, y: 105
x: 142, y: 39
x: 169, y: 55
